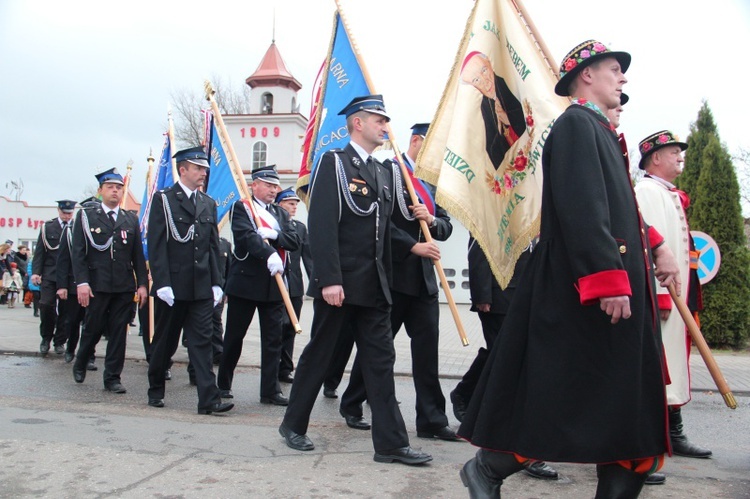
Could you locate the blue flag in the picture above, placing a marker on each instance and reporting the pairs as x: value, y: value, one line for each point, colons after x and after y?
x: 333, y: 90
x: 222, y: 186
x: 161, y: 179
x: 164, y: 177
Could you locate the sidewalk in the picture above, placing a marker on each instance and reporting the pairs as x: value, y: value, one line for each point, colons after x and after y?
x: 19, y: 334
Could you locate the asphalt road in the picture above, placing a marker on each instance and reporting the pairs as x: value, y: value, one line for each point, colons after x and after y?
x: 60, y: 439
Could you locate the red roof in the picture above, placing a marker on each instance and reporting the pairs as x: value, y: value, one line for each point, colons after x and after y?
x: 272, y: 72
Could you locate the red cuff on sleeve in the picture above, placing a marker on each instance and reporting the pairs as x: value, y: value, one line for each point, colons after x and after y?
x: 654, y: 237
x: 664, y: 301
x: 603, y: 284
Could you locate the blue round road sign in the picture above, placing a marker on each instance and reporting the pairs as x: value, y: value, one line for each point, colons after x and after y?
x: 710, y: 256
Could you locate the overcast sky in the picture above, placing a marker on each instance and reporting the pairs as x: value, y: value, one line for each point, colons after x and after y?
x: 86, y: 84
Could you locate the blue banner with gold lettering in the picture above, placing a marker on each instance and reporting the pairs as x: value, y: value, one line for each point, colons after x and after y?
x: 222, y: 186
x: 339, y: 81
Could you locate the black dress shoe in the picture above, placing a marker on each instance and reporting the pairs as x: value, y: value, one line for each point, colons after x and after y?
x: 275, y: 399
x: 91, y: 366
x: 226, y: 394
x: 405, y: 455
x: 167, y: 375
x: 115, y: 387
x: 356, y: 422
x: 79, y: 375
x: 69, y: 357
x: 656, y: 479
x: 459, y: 405
x: 286, y: 378
x: 330, y: 393
x: 540, y: 469
x: 444, y: 433
x: 217, y: 407
x: 59, y: 349
x: 295, y: 440
x: 156, y: 402
x: 44, y: 347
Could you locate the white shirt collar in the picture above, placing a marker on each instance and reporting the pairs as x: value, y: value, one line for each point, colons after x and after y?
x: 666, y: 183
x: 184, y: 188
x: 360, y: 150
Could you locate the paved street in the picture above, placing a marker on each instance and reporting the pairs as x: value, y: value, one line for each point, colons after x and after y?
x: 60, y: 439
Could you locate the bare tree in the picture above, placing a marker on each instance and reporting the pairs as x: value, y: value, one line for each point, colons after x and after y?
x: 187, y: 104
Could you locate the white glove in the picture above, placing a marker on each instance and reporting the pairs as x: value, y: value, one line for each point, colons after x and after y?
x: 274, y: 264
x: 268, y: 233
x: 218, y: 293
x: 166, y: 294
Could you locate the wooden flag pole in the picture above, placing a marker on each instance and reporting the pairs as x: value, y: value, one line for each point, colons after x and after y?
x: 172, y: 144
x: 246, y: 194
x: 412, y: 194
x: 537, y: 39
x: 700, y: 342
x: 150, y: 178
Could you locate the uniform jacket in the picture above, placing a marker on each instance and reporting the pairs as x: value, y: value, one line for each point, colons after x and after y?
x: 225, y: 260
x: 64, y: 272
x: 662, y: 209
x: 248, y: 276
x: 349, y: 248
x: 111, y: 270
x: 412, y: 274
x: 191, y: 268
x: 484, y: 288
x: 47, y: 249
x: 557, y: 352
x: 296, y: 257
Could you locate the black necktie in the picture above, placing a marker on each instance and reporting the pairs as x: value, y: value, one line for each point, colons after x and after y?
x: 192, y: 198
x: 112, y: 217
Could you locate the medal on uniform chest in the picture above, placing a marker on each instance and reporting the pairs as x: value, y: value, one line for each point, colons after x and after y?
x: 352, y: 187
x: 124, y: 235
x: 356, y: 161
x: 98, y: 230
x: 365, y: 191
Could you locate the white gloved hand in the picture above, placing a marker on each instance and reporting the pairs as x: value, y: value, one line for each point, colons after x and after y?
x: 268, y: 233
x: 166, y: 294
x: 274, y: 264
x: 218, y: 293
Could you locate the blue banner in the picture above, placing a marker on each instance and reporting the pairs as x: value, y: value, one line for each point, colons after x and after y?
x: 162, y: 178
x: 342, y: 82
x: 222, y: 186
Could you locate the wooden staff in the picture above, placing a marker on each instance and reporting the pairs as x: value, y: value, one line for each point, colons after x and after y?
x: 700, y: 342
x: 151, y: 321
x: 412, y: 194
x: 237, y: 171
x: 537, y: 39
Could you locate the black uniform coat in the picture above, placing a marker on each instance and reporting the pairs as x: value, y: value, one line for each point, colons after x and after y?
x: 45, y: 255
x: 562, y: 383
x: 338, y: 236
x: 191, y: 269
x: 249, y: 277
x: 64, y: 271
x: 109, y: 271
x: 301, y: 255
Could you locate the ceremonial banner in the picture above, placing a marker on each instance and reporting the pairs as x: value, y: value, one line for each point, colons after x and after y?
x: 333, y: 89
x: 148, y: 193
x: 222, y: 185
x: 483, y: 151
x: 157, y: 181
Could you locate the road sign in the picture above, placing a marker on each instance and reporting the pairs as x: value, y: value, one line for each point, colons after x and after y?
x: 710, y: 258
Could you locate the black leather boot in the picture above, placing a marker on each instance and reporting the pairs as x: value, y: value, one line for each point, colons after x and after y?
x: 483, y: 475
x: 680, y: 443
x: 616, y: 482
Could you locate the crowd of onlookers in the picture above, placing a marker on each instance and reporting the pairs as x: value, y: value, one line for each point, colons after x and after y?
x: 15, y: 267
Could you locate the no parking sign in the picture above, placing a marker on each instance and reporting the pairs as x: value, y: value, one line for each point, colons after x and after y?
x: 710, y: 256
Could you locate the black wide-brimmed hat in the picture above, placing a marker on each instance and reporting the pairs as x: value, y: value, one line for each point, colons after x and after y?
x: 584, y: 55
x: 656, y: 141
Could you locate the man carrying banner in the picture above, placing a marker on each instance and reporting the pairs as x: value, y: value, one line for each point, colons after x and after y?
x: 580, y: 340
x: 350, y: 205
x: 183, y: 248
x: 109, y: 268
x: 414, y: 291
x: 251, y: 285
x: 664, y: 207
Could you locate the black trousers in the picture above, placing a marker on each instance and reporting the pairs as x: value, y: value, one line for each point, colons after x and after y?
x: 420, y: 316
x: 108, y: 312
x: 491, y: 324
x: 372, y: 334
x: 72, y: 314
x: 194, y: 319
x: 50, y: 320
x: 217, y: 338
x: 288, y: 335
x: 240, y: 314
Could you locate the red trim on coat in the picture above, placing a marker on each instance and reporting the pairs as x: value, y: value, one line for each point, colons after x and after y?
x: 664, y: 301
x: 654, y: 237
x: 603, y: 284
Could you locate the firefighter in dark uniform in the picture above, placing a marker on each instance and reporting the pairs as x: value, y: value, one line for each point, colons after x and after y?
x: 109, y: 268
x: 350, y: 206
x: 183, y: 248
x: 43, y: 269
x: 415, y: 297
x: 251, y: 283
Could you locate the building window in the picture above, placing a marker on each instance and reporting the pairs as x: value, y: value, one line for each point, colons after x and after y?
x: 295, y: 109
x: 260, y: 150
x: 266, y: 103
